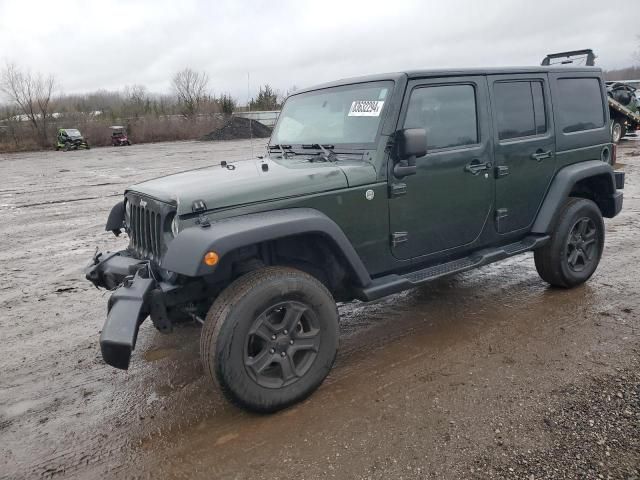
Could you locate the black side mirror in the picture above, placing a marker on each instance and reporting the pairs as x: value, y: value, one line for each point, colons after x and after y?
x: 411, y: 143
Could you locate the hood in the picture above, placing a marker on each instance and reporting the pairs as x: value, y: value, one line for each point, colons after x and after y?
x: 248, y: 181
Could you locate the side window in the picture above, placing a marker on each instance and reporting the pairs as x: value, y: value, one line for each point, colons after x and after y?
x: 539, y: 109
x: 520, y: 109
x: 580, y: 104
x: 447, y: 112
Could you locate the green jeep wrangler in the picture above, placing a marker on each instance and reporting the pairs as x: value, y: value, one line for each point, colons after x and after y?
x: 370, y: 186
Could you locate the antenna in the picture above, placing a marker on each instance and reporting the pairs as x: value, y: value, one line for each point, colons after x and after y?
x: 249, y: 110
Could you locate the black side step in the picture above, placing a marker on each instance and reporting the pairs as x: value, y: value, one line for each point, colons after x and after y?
x: 394, y: 283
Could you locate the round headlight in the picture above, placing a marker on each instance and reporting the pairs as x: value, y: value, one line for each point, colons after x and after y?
x: 174, y: 226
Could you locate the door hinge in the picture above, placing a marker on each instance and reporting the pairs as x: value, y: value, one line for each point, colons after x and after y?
x: 399, y: 237
x: 501, y: 171
x: 397, y: 190
x: 501, y: 214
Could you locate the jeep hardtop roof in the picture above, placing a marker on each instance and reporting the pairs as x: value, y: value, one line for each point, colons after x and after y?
x: 447, y: 72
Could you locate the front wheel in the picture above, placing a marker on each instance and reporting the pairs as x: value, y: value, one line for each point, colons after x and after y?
x: 573, y: 253
x: 270, y: 338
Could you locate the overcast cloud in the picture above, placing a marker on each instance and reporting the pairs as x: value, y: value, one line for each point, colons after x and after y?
x: 90, y: 45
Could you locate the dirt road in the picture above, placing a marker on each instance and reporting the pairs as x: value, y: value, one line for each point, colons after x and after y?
x: 485, y: 374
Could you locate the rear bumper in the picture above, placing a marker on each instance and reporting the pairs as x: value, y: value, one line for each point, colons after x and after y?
x: 613, y: 203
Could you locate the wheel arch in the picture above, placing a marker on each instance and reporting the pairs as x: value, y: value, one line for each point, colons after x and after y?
x: 593, y: 179
x: 288, y: 227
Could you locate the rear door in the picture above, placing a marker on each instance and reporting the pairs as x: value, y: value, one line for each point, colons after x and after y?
x: 447, y: 203
x: 524, y: 147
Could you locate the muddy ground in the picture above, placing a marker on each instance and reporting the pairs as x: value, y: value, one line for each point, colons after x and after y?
x: 490, y: 373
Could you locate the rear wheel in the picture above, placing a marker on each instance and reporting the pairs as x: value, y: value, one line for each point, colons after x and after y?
x: 573, y: 253
x: 616, y: 131
x: 270, y: 338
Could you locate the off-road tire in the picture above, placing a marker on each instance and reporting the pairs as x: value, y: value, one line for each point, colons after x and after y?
x: 616, y: 131
x: 553, y: 259
x: 231, y: 318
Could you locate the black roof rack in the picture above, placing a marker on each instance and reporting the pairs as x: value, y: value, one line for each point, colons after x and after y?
x: 570, y: 57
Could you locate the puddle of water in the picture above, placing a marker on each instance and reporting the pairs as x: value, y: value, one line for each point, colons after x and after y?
x: 158, y: 354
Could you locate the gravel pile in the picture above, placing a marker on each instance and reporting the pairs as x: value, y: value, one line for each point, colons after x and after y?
x: 238, y: 128
x: 593, y: 432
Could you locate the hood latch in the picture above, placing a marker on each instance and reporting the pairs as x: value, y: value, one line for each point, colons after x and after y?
x: 200, y: 207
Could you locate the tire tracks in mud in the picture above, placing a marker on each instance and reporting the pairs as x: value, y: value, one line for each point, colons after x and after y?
x: 409, y: 365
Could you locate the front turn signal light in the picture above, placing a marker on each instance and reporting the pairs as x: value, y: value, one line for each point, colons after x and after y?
x: 211, y: 258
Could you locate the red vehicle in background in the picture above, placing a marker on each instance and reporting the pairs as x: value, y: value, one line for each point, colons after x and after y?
x: 119, y: 136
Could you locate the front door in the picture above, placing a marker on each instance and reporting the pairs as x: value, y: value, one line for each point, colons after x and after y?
x: 524, y: 147
x: 448, y: 202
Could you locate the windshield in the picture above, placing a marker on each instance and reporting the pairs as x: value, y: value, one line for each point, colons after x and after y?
x: 349, y: 114
x: 72, y: 132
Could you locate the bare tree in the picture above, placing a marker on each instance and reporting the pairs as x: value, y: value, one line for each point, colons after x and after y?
x: 32, y: 94
x: 191, y: 89
x: 137, y: 101
x: 9, y: 124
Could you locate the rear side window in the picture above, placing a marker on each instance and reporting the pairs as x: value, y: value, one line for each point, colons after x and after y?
x: 520, y: 109
x: 580, y: 104
x: 447, y: 113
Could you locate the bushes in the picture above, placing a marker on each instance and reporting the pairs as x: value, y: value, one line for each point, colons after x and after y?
x: 18, y: 136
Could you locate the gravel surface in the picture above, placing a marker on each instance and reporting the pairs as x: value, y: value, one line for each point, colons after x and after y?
x: 591, y: 430
x: 487, y: 374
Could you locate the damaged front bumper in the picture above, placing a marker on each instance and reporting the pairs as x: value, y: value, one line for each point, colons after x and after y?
x: 140, y: 291
x: 128, y: 307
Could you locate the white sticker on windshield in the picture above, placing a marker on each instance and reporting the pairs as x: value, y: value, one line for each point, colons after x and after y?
x: 366, y: 108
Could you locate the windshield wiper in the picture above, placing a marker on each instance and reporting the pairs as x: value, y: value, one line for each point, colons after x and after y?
x: 328, y: 155
x: 285, y: 150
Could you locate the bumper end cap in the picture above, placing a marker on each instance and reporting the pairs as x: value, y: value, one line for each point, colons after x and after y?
x: 116, y: 354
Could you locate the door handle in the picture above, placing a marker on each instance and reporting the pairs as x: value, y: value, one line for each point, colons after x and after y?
x: 541, y: 155
x: 475, y: 167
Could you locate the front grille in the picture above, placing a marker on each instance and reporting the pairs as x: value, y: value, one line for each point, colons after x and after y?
x: 146, y: 231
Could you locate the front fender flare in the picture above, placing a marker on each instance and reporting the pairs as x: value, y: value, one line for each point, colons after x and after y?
x: 561, y: 187
x: 115, y: 222
x: 186, y: 251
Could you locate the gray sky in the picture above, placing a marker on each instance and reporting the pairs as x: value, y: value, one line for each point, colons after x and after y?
x: 90, y: 45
